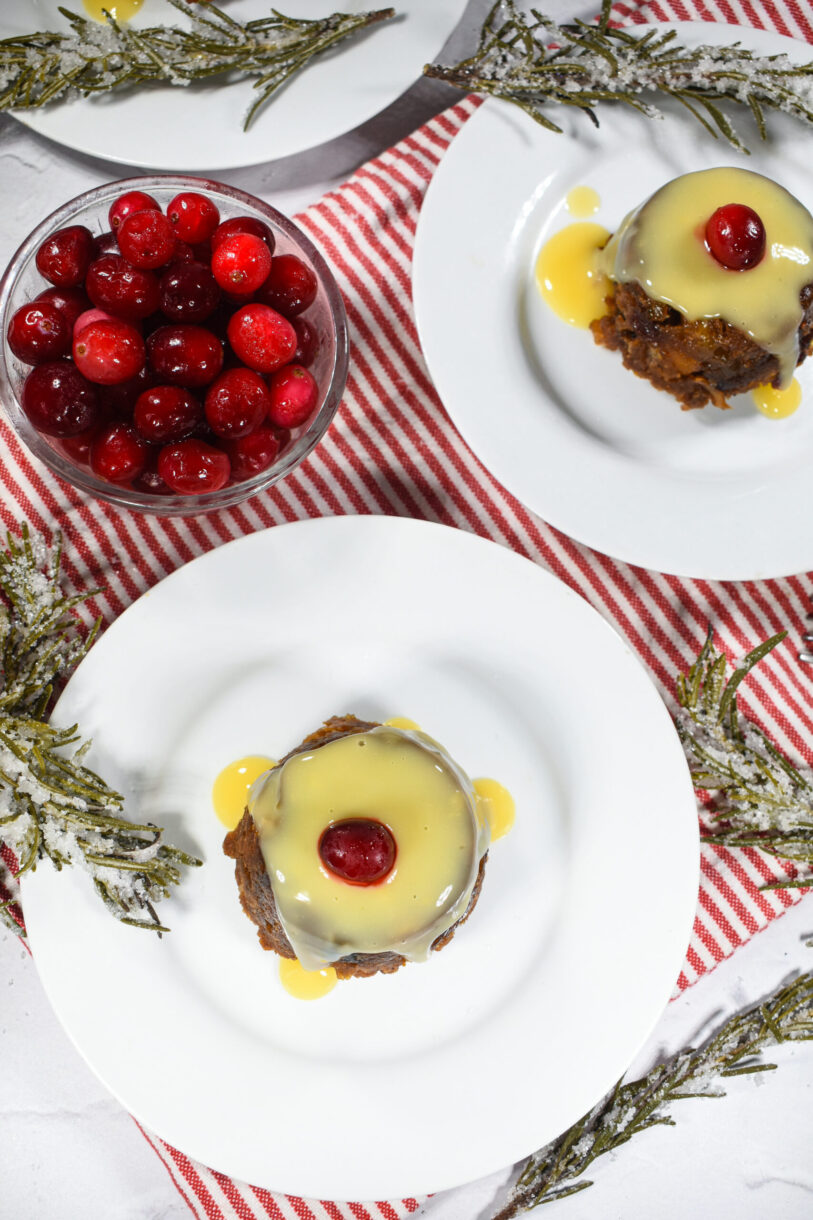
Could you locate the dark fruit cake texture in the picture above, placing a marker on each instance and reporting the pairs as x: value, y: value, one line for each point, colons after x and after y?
x: 712, y: 287
x: 362, y: 849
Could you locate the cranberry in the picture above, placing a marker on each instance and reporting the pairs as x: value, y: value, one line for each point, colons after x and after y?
x: 88, y: 316
x: 290, y: 287
x: 150, y: 481
x: 358, y: 850
x: 118, y: 453
x: 193, y: 216
x: 261, y: 337
x: 254, y: 453
x: 166, y: 413
x: 78, y: 447
x: 118, y: 401
x: 236, y: 403
x: 38, y: 332
x: 189, y: 292
x: 109, y: 351
x: 184, y: 253
x: 193, y: 468
x: 241, y: 263
x: 105, y: 243
x: 146, y: 239
x: 185, y: 355
x: 71, y: 302
x: 294, y: 394
x: 64, y: 257
x: 58, y: 400
x: 244, y: 224
x: 125, y: 205
x: 735, y: 236
x: 307, y: 344
x: 129, y: 292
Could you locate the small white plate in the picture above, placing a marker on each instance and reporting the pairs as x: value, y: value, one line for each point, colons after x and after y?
x: 201, y: 126
x: 438, y: 1074
x: 594, y: 450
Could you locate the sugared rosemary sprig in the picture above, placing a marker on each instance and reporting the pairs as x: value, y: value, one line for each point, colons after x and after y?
x: 51, y: 804
x: 533, y: 62
x: 762, y: 799
x: 552, y: 1173
x: 47, y: 66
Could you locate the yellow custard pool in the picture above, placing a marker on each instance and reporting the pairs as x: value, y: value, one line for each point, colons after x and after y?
x: 362, y: 849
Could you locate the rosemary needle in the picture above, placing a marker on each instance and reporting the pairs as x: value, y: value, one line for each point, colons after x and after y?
x: 533, y: 62
x: 47, y: 66
x: 51, y: 804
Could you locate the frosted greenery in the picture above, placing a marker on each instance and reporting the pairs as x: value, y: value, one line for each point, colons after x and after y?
x: 51, y: 805
x: 535, y: 63
x: 736, y: 1049
x: 48, y: 66
x: 761, y: 799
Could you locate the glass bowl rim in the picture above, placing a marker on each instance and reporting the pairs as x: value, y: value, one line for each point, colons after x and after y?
x: 125, y: 497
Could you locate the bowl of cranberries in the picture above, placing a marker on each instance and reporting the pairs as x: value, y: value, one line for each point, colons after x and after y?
x: 170, y: 344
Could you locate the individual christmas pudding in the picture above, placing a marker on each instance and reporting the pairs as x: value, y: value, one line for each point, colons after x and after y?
x: 364, y: 848
x: 170, y: 344
x: 712, y: 287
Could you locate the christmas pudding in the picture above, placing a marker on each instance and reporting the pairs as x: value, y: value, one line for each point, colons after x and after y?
x: 712, y: 287
x: 364, y: 848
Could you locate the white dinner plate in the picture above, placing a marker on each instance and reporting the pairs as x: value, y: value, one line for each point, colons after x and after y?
x: 442, y: 1072
x: 594, y: 450
x: 201, y: 126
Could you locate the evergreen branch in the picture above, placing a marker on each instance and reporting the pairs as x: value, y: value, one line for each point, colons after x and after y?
x: 735, y: 1050
x: 51, y: 804
x: 48, y: 66
x: 762, y: 800
x: 533, y: 62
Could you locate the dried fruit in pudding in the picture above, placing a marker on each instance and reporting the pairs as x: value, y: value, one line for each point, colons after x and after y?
x: 712, y: 286
x: 362, y: 849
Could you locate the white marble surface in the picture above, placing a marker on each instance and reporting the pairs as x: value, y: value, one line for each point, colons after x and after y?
x: 70, y: 1151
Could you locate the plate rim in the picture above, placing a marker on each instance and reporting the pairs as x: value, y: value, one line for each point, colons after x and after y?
x: 408, y: 1185
x: 793, y: 556
x: 179, y: 160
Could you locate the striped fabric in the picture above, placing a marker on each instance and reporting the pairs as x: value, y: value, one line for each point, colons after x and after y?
x: 393, y: 450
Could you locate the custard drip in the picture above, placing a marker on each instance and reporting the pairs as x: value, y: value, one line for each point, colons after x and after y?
x: 395, y: 776
x: 582, y: 201
x: 120, y: 10
x: 661, y: 246
x: 305, y: 984
x: 496, y: 805
x: 569, y: 274
x: 233, y: 784
x: 778, y: 404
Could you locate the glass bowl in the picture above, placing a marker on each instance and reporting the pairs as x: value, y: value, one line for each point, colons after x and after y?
x: 326, y: 316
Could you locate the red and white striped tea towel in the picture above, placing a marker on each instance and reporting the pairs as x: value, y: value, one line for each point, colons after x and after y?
x: 392, y: 449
